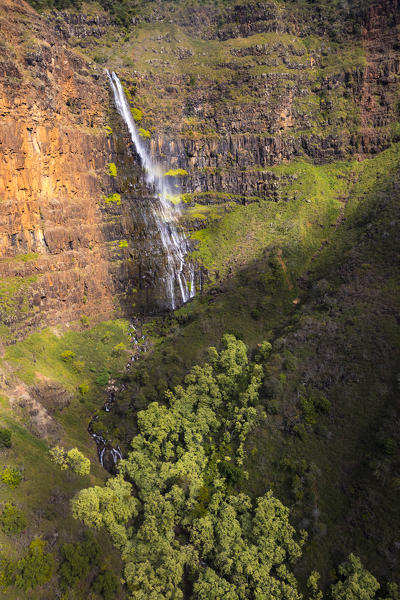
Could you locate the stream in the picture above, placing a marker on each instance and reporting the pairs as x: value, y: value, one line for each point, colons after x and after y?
x: 109, y: 455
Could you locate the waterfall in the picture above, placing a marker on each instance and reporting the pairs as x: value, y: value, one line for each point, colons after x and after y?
x: 174, y: 242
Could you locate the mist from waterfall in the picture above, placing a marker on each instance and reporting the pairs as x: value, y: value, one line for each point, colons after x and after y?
x: 174, y: 241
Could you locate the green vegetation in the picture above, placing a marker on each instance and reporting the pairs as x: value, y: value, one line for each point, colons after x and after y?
x: 73, y: 459
x: 297, y: 224
x: 357, y: 582
x: 144, y: 133
x: 185, y: 463
x: 112, y: 169
x: 5, y: 438
x: 113, y: 199
x: 11, y: 476
x: 78, y: 462
x: 12, y: 520
x: 77, y: 560
x: 15, y: 295
x: 106, y: 584
x: 306, y: 256
x: 176, y: 173
x: 121, y: 11
x: 34, y: 569
x: 108, y: 130
x: 42, y: 495
x: 136, y: 113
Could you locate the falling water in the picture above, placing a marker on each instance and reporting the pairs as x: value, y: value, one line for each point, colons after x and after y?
x: 173, y: 240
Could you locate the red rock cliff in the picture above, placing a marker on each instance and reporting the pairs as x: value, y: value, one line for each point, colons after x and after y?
x: 54, y: 261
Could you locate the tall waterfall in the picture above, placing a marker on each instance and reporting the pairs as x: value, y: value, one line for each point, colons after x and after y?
x: 165, y: 214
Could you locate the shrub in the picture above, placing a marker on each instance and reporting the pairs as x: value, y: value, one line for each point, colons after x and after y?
x: 272, y: 406
x: 119, y: 349
x: 137, y: 114
x: 264, y: 350
x: 85, y: 320
x: 100, y: 59
x: 83, y: 388
x: 106, y: 584
x: 77, y: 559
x: 79, y: 365
x: 112, y: 169
x: 103, y: 377
x: 113, y: 199
x: 272, y: 387
x: 308, y: 410
x: 321, y: 402
x: 11, y: 477
x: 175, y: 173
x: 5, y: 438
x: 108, y: 130
x: 36, y: 568
x: 68, y: 355
x: 7, y: 572
x: 301, y: 431
x: 123, y: 244
x: 57, y: 455
x: 78, y: 462
x: 144, y: 133
x: 12, y: 520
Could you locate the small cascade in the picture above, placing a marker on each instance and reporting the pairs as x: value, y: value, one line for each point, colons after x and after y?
x: 108, y: 454
x: 174, y: 243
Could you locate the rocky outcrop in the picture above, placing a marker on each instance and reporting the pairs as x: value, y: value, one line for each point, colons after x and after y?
x: 380, y: 112
x: 54, y: 256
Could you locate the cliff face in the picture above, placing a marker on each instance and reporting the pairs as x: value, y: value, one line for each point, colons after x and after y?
x: 54, y: 258
x: 227, y: 91
x: 231, y: 89
x: 380, y: 111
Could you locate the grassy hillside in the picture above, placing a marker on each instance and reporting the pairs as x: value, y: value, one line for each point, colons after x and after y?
x: 53, y: 383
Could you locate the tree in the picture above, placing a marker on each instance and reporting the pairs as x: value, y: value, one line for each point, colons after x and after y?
x: 5, y: 438
x: 357, y: 582
x: 73, y: 459
x: 209, y: 586
x: 35, y: 568
x: 393, y: 592
x: 188, y: 516
x: 111, y: 506
x: 77, y: 560
x: 57, y: 455
x: 78, y: 462
x: 312, y: 585
x: 106, y: 584
x: 12, y: 520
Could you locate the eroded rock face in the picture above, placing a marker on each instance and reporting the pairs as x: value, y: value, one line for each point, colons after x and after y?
x: 379, y: 103
x: 54, y: 249
x: 260, y: 95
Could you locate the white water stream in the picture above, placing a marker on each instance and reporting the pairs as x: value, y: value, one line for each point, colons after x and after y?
x: 165, y: 213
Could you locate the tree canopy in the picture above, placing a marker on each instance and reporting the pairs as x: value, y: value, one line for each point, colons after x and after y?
x: 174, y: 510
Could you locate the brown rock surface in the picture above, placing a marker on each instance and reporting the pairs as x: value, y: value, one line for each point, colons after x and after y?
x: 54, y: 150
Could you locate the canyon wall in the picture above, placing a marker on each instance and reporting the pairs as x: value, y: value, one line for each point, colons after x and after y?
x: 227, y: 91
x: 53, y: 251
